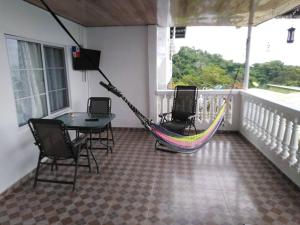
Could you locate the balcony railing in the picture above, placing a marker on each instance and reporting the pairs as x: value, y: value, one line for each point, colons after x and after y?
x: 274, y: 129
x: 269, y: 125
x: 208, y: 105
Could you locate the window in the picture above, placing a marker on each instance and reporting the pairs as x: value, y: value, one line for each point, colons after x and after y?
x: 38, y: 77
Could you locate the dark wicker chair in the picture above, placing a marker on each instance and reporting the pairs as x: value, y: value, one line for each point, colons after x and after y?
x: 54, y: 143
x: 100, y: 105
x: 183, y: 111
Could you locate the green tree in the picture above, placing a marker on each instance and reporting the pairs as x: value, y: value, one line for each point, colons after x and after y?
x: 213, y: 76
x: 205, y: 70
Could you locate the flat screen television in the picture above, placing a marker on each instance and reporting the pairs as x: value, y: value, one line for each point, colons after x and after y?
x: 85, y: 59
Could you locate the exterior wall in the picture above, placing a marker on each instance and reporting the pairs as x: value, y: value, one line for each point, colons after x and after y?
x: 124, y: 60
x: 163, y: 58
x: 18, y: 155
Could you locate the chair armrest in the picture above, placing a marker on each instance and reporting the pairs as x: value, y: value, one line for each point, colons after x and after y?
x: 191, y: 117
x: 164, y: 114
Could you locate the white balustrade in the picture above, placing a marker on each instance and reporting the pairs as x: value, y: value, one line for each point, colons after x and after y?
x: 209, y: 103
x: 274, y: 129
x: 271, y: 126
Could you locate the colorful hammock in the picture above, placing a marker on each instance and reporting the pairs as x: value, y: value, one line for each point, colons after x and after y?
x: 187, y: 144
x: 176, y: 142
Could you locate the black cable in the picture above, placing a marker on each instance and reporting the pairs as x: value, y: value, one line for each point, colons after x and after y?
x: 71, y: 36
x: 145, y: 121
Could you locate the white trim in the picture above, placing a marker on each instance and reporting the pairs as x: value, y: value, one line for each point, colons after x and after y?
x: 50, y: 44
x: 252, y: 8
x: 45, y: 81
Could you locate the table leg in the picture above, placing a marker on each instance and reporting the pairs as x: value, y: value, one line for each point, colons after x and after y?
x: 107, y: 139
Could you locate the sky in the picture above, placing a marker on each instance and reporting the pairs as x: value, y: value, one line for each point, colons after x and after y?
x: 268, y: 41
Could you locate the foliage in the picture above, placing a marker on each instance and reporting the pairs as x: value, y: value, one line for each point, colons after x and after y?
x: 204, y: 70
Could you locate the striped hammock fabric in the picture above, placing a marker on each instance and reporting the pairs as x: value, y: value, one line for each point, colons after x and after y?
x: 187, y: 144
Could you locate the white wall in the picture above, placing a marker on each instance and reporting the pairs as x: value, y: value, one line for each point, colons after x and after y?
x: 163, y: 57
x: 18, y: 155
x: 124, y: 59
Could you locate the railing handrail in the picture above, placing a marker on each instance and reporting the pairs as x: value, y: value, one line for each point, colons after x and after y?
x: 290, y: 111
x: 217, y: 92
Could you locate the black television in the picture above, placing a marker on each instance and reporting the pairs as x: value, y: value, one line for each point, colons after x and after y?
x: 85, y: 59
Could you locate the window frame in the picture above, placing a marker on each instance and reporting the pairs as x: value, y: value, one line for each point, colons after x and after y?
x: 42, y: 45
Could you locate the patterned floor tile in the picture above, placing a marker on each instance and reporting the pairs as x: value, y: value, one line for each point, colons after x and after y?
x: 226, y: 182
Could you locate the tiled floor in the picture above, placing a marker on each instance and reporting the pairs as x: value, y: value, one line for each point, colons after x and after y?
x: 226, y: 182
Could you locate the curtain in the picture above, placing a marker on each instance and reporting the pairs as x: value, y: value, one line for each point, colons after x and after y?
x: 28, y: 80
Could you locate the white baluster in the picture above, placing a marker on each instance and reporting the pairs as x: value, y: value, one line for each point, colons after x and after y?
x: 298, y: 162
x: 254, y: 106
x: 201, y: 108
x: 260, y: 121
x: 169, y: 103
x: 265, y: 123
x: 286, y: 140
x: 220, y: 101
x: 274, y: 130
x: 269, y: 128
x: 250, y: 105
x: 205, y: 111
x: 281, y: 131
x: 257, y: 110
x: 212, y: 108
x: 294, y: 143
x: 198, y: 110
x: 228, y: 113
x: 245, y: 109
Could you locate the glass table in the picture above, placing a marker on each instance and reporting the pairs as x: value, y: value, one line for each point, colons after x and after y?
x: 88, y: 123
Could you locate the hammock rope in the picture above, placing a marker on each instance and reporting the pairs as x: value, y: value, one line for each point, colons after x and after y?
x: 175, y: 142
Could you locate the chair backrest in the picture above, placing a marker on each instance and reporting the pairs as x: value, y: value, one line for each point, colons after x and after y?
x: 99, y: 105
x: 52, y: 138
x: 184, y: 104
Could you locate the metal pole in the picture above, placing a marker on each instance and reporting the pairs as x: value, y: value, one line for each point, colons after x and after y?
x: 248, y: 43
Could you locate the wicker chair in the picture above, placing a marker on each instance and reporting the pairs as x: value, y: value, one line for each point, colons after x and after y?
x: 101, y: 105
x: 183, y: 111
x: 54, y: 143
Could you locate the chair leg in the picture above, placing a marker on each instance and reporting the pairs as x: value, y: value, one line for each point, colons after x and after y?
x: 88, y: 159
x: 54, y: 163
x: 37, y: 171
x: 156, y: 145
x: 75, y: 174
x: 195, y: 128
x: 189, y: 130
x: 111, y: 132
